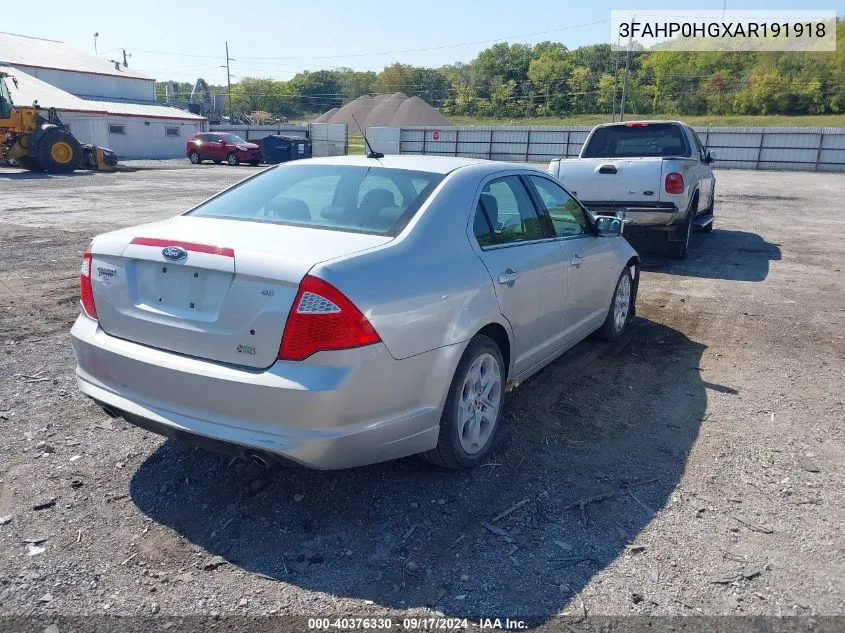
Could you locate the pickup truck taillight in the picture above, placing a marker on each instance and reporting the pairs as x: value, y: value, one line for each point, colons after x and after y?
x: 674, y: 183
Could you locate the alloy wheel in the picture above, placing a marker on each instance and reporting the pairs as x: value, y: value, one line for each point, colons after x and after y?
x: 480, y: 400
x: 622, y: 303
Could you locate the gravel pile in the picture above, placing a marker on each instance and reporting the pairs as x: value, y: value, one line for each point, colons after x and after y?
x: 387, y: 110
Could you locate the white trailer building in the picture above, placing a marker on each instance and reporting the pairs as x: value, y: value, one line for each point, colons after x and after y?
x: 102, y: 102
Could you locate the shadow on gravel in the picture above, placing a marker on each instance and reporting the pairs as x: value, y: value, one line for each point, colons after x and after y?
x: 722, y: 254
x: 592, y: 448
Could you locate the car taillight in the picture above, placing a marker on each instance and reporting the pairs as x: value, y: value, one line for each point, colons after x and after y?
x: 674, y: 183
x: 322, y: 318
x: 86, y: 292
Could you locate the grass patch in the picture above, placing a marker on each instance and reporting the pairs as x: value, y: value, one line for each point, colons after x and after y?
x: 356, y: 146
x: 827, y: 120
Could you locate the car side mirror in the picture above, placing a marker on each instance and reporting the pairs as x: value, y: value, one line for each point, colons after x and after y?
x: 708, y: 157
x: 608, y: 226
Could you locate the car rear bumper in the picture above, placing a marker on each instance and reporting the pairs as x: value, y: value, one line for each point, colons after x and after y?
x: 334, y: 410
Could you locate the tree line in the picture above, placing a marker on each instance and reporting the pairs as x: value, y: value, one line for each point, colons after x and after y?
x: 549, y: 79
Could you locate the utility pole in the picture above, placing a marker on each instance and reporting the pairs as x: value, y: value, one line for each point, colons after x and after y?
x: 627, y: 66
x: 96, y: 35
x: 615, y: 76
x: 229, y: 81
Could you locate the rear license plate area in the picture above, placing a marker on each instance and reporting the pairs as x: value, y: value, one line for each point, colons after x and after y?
x: 178, y: 287
x: 182, y: 291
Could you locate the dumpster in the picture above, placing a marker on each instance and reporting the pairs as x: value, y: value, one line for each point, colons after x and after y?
x: 280, y: 149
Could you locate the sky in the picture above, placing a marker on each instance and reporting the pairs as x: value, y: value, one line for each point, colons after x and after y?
x: 183, y: 40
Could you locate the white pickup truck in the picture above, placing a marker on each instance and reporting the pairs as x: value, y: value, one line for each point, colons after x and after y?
x: 655, y: 175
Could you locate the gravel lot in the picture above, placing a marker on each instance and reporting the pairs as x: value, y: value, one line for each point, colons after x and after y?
x: 694, y: 468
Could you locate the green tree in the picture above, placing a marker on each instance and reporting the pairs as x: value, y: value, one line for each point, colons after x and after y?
x: 580, y: 87
x: 395, y: 78
x: 430, y: 85
x: 318, y: 91
x: 549, y: 73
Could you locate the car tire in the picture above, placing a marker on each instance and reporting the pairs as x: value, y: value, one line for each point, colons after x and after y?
x: 233, y: 160
x: 195, y: 158
x: 621, y: 308
x: 677, y: 246
x: 467, y: 434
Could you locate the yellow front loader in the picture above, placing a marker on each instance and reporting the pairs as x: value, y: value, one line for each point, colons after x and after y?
x: 33, y: 141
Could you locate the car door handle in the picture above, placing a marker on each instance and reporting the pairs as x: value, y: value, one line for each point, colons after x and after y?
x: 509, y: 276
x: 576, y: 260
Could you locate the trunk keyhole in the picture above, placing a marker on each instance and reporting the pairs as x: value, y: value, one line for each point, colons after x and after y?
x: 196, y: 274
x: 164, y: 269
x: 252, y: 332
x: 192, y: 304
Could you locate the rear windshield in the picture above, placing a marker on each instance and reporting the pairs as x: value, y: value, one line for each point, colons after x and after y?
x: 340, y: 197
x: 623, y: 141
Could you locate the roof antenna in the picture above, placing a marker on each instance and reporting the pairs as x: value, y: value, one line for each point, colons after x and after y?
x: 370, y: 153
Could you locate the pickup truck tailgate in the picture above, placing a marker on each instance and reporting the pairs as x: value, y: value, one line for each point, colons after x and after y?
x: 618, y: 180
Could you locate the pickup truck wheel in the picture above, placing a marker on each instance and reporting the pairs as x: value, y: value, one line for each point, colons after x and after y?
x: 678, y: 245
x: 473, y: 409
x: 620, y: 309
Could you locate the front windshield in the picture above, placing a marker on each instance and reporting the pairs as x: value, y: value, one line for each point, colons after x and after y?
x: 232, y: 138
x: 352, y: 198
x: 5, y: 99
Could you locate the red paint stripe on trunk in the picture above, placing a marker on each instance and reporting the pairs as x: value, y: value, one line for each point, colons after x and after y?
x: 188, y: 246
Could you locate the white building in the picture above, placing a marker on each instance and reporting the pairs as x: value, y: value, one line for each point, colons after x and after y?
x: 103, y: 103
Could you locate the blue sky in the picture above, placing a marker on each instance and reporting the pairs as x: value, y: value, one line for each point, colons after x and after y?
x: 177, y: 40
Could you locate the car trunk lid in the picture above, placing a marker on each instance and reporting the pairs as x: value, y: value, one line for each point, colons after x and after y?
x: 210, y: 288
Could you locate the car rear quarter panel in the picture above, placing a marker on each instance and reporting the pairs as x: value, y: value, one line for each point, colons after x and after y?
x: 427, y: 288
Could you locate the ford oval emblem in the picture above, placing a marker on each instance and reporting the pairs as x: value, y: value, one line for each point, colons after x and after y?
x: 174, y: 253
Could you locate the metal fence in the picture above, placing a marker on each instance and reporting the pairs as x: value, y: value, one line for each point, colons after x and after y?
x: 786, y: 148
x: 326, y: 139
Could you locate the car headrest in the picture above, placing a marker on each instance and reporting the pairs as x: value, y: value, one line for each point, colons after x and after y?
x: 377, y: 199
x: 289, y: 209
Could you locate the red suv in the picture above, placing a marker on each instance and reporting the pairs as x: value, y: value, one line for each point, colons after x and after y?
x: 222, y: 146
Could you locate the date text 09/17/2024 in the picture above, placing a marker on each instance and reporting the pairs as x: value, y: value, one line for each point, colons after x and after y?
x: 417, y: 624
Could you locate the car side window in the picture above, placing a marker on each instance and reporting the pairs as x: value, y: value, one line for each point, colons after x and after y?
x: 568, y: 218
x: 506, y: 208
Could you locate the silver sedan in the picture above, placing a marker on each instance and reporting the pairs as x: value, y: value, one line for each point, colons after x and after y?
x: 343, y: 311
